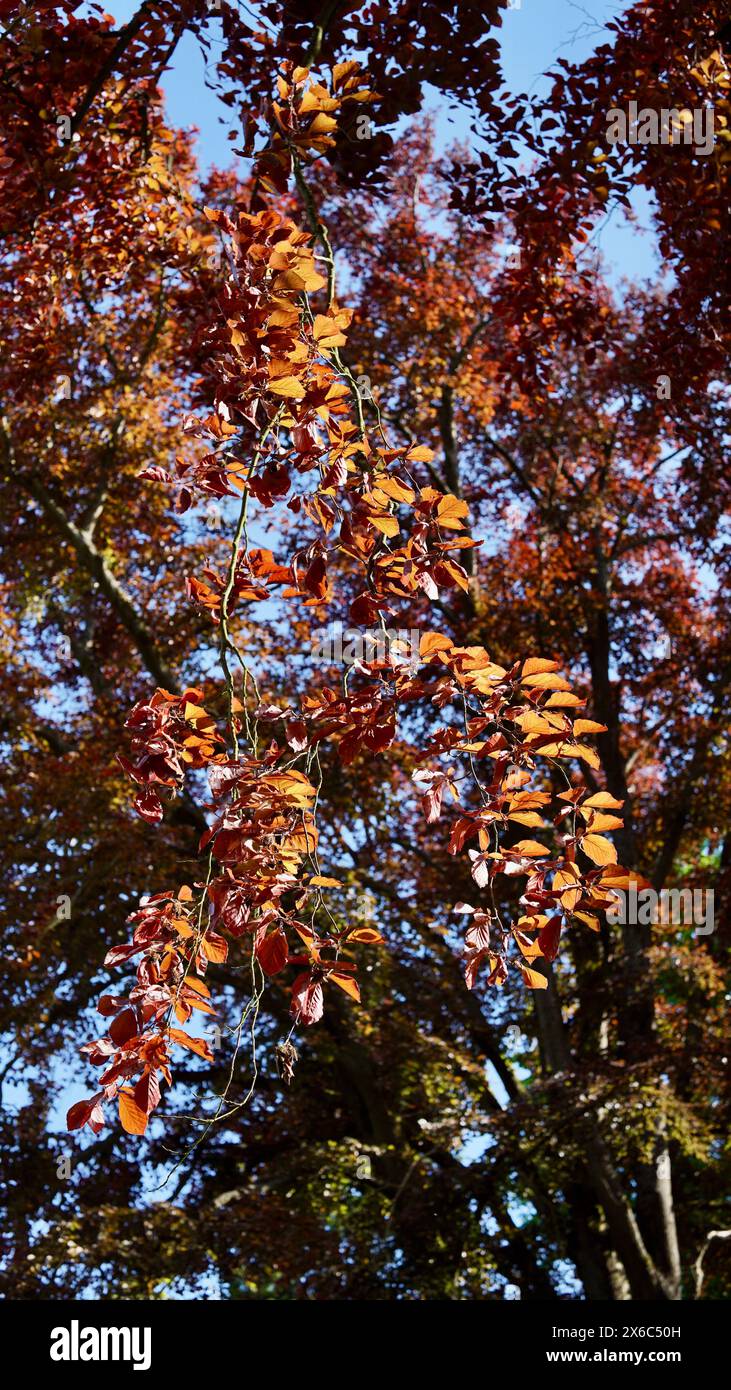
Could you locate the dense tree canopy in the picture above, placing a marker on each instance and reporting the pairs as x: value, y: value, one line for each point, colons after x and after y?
x: 365, y: 628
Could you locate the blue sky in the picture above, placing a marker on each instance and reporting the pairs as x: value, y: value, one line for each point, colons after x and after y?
x: 533, y: 36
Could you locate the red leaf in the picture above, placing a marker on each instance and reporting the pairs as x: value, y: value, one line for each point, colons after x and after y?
x: 96, y: 1118
x: 86, y: 1112
x: 78, y: 1114
x: 148, y: 805
x: 147, y: 1092
x: 315, y: 580
x: 272, y: 953
x: 121, y: 953
x: 307, y: 999
x: 477, y: 936
x: 123, y: 1027
x: 363, y: 610
x: 549, y: 938
x: 473, y: 962
x: 297, y: 735
x: 109, y: 1005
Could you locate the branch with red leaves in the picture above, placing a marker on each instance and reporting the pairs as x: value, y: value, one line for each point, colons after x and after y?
x: 286, y: 415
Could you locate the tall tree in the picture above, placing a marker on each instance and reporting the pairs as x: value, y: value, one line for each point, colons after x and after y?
x: 481, y: 455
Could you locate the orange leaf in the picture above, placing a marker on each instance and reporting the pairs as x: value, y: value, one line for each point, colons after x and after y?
x: 536, y: 665
x: 386, y: 523
x: 434, y: 642
x: 451, y: 511
x: 532, y: 723
x: 347, y: 984
x: 369, y: 935
x: 395, y: 489
x: 214, y: 948
x: 420, y: 453
x: 197, y: 1045
x: 326, y: 332
x: 198, y: 986
x: 599, y: 849
x: 528, y: 948
x: 545, y: 680
x: 589, y: 918
x: 321, y: 125
x: 602, y: 822
x: 533, y: 978
x: 132, y: 1117
x: 288, y: 386
x: 563, y: 700
x: 587, y: 755
x: 604, y: 800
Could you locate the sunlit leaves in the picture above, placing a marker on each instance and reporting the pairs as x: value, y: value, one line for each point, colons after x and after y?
x: 272, y: 345
x: 132, y: 1116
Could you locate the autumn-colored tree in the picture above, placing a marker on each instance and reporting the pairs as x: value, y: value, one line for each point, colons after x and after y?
x: 219, y: 455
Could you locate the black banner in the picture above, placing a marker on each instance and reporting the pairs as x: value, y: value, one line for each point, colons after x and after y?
x: 153, y: 1337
